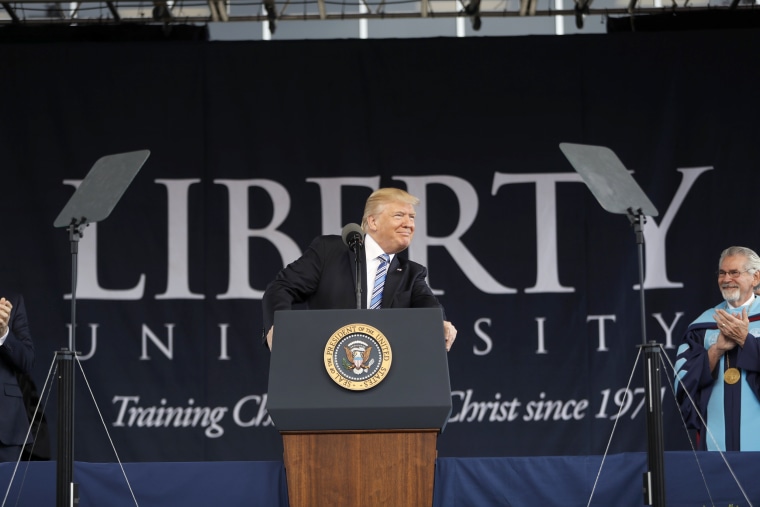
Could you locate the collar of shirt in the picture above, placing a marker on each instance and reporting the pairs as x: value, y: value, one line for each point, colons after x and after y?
x: 747, y: 303
x: 372, y: 250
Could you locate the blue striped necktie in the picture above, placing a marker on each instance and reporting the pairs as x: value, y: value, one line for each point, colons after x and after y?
x: 377, y: 291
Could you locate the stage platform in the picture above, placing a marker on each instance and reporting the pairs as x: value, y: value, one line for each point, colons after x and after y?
x: 459, y: 482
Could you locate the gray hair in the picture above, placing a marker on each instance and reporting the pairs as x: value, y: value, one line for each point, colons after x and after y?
x: 753, y: 261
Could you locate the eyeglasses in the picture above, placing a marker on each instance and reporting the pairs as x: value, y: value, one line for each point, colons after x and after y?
x: 734, y: 273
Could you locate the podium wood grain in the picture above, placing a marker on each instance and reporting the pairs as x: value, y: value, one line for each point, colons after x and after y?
x: 393, y: 468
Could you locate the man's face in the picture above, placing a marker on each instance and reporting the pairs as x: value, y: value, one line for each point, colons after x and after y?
x: 393, y: 226
x: 736, y: 284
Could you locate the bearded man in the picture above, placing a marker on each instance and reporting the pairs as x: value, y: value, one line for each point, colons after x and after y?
x: 717, y: 370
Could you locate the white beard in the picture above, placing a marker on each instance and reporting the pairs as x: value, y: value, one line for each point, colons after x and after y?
x: 730, y: 294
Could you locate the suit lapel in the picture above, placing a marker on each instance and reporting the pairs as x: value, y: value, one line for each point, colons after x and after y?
x: 392, y: 280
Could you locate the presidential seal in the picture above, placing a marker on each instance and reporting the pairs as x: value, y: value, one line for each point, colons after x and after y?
x: 358, y: 357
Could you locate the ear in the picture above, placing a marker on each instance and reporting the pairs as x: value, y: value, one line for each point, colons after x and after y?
x: 372, y: 223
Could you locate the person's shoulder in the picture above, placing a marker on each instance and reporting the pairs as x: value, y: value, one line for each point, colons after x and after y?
x: 328, y: 240
x: 705, y: 319
x: 328, y: 245
x: 332, y: 238
x: 11, y: 295
x: 405, y: 262
x: 753, y: 311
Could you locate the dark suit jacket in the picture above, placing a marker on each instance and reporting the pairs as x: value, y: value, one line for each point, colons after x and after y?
x: 324, y: 277
x: 16, y: 355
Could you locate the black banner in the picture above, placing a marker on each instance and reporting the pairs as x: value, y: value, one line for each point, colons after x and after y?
x: 258, y: 147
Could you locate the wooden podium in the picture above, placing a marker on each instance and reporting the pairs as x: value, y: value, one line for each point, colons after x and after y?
x: 359, y: 448
x: 361, y: 468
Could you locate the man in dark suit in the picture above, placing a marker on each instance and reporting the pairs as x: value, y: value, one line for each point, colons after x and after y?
x: 16, y: 357
x: 324, y: 277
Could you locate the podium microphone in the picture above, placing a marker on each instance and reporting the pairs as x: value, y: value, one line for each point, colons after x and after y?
x: 353, y: 236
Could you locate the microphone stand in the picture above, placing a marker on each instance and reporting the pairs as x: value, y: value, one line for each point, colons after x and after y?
x: 356, y: 248
x: 353, y: 238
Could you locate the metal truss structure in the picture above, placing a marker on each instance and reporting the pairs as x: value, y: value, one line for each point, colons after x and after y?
x: 111, y: 12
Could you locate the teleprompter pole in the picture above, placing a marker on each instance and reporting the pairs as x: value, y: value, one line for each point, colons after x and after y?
x: 67, y: 494
x: 92, y: 202
x: 654, y: 477
x: 66, y: 491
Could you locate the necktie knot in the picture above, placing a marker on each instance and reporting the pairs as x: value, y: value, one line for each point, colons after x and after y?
x: 377, y: 292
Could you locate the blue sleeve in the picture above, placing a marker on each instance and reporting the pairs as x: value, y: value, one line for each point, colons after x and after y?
x: 749, y: 361
x: 693, y: 376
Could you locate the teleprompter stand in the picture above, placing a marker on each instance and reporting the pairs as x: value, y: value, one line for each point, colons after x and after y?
x: 92, y: 202
x: 617, y: 192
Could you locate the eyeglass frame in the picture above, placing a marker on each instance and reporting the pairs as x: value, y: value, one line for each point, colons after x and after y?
x: 734, y: 273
